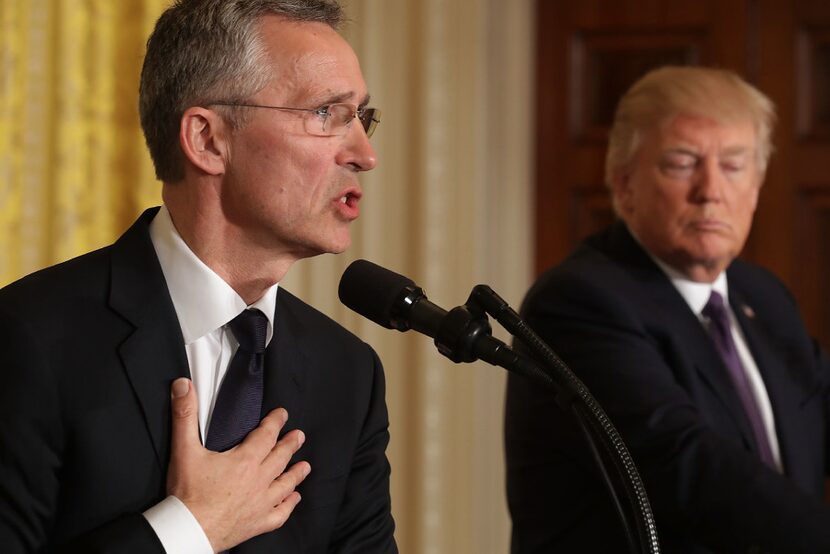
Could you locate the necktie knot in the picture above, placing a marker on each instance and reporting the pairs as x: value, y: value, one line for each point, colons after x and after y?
x: 250, y: 329
x: 714, y: 308
x: 715, y: 311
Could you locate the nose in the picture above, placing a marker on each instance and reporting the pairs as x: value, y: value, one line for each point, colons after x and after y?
x: 357, y: 153
x: 709, y: 182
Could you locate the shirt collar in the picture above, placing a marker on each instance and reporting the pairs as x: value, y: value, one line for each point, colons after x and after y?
x: 203, y: 301
x: 695, y: 293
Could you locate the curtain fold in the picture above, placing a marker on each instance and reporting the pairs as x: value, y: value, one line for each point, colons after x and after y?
x: 73, y: 168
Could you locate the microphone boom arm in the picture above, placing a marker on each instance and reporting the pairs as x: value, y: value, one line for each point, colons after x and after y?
x: 464, y: 334
x: 572, y: 395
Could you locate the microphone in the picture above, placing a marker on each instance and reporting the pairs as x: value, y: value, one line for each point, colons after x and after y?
x: 391, y: 300
x: 388, y: 298
x: 463, y: 335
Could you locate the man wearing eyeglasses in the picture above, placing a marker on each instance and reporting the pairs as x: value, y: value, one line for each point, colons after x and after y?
x: 162, y: 394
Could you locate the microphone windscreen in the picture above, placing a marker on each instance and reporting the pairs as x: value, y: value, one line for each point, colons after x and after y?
x: 372, y: 291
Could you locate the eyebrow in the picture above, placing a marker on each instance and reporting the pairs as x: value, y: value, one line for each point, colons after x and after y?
x: 343, y: 97
x: 681, y: 150
x: 736, y: 151
x: 729, y: 151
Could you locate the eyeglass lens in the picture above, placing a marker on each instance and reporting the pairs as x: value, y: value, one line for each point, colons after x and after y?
x: 341, y: 115
x: 370, y: 117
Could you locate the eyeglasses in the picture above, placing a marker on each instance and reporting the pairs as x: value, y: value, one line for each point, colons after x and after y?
x: 330, y: 120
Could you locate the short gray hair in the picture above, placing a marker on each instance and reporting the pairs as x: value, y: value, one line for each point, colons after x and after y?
x: 692, y: 91
x: 206, y: 50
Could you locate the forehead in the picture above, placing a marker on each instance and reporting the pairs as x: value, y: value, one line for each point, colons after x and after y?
x: 705, y: 134
x: 309, y: 62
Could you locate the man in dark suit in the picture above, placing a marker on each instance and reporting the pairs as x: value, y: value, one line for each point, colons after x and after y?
x: 701, y: 360
x: 114, y: 365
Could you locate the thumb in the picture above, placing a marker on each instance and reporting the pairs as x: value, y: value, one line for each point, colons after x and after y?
x: 185, y: 412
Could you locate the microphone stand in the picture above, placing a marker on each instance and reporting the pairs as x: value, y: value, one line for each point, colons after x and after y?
x: 464, y: 335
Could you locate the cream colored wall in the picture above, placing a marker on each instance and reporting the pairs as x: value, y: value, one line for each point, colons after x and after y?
x: 449, y: 205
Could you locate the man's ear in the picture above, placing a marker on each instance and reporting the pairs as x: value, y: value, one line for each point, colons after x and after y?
x: 203, y: 139
x: 620, y: 186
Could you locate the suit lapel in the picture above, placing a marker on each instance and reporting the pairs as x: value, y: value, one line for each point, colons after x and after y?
x: 286, y: 368
x: 783, y: 391
x: 285, y: 364
x: 694, y: 340
x: 153, y: 355
x: 713, y: 371
x: 675, y: 319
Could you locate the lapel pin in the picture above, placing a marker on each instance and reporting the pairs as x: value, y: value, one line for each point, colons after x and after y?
x: 748, y: 311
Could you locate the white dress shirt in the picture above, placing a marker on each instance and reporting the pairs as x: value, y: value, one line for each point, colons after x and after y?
x: 204, y: 305
x: 697, y: 295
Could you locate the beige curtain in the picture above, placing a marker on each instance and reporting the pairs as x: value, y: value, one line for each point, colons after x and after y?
x: 449, y: 205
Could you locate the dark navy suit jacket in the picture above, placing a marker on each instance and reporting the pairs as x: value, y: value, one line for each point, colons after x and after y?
x: 623, y: 328
x: 88, y: 350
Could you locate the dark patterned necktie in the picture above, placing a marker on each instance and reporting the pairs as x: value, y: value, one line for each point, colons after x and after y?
x: 721, y: 332
x: 239, y: 403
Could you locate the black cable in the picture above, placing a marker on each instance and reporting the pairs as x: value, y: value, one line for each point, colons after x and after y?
x: 633, y: 544
x: 596, y: 425
x: 608, y: 435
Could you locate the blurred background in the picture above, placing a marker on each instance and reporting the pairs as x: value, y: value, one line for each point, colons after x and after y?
x: 491, y: 154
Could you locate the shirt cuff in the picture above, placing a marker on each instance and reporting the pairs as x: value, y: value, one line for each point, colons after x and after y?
x: 177, y: 529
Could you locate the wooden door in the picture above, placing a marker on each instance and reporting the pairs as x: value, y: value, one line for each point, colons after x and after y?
x: 791, y: 234
x: 590, y: 51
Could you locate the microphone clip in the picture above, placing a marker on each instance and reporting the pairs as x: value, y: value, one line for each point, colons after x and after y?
x: 460, y: 331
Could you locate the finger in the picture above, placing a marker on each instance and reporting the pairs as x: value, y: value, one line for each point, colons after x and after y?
x: 285, y: 484
x: 264, y: 436
x: 185, y: 415
x: 283, y: 510
x: 281, y: 453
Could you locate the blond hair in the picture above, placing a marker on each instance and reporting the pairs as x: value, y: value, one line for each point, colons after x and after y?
x: 670, y: 91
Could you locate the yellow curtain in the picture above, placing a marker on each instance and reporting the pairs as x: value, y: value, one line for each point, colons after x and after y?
x: 74, y: 171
